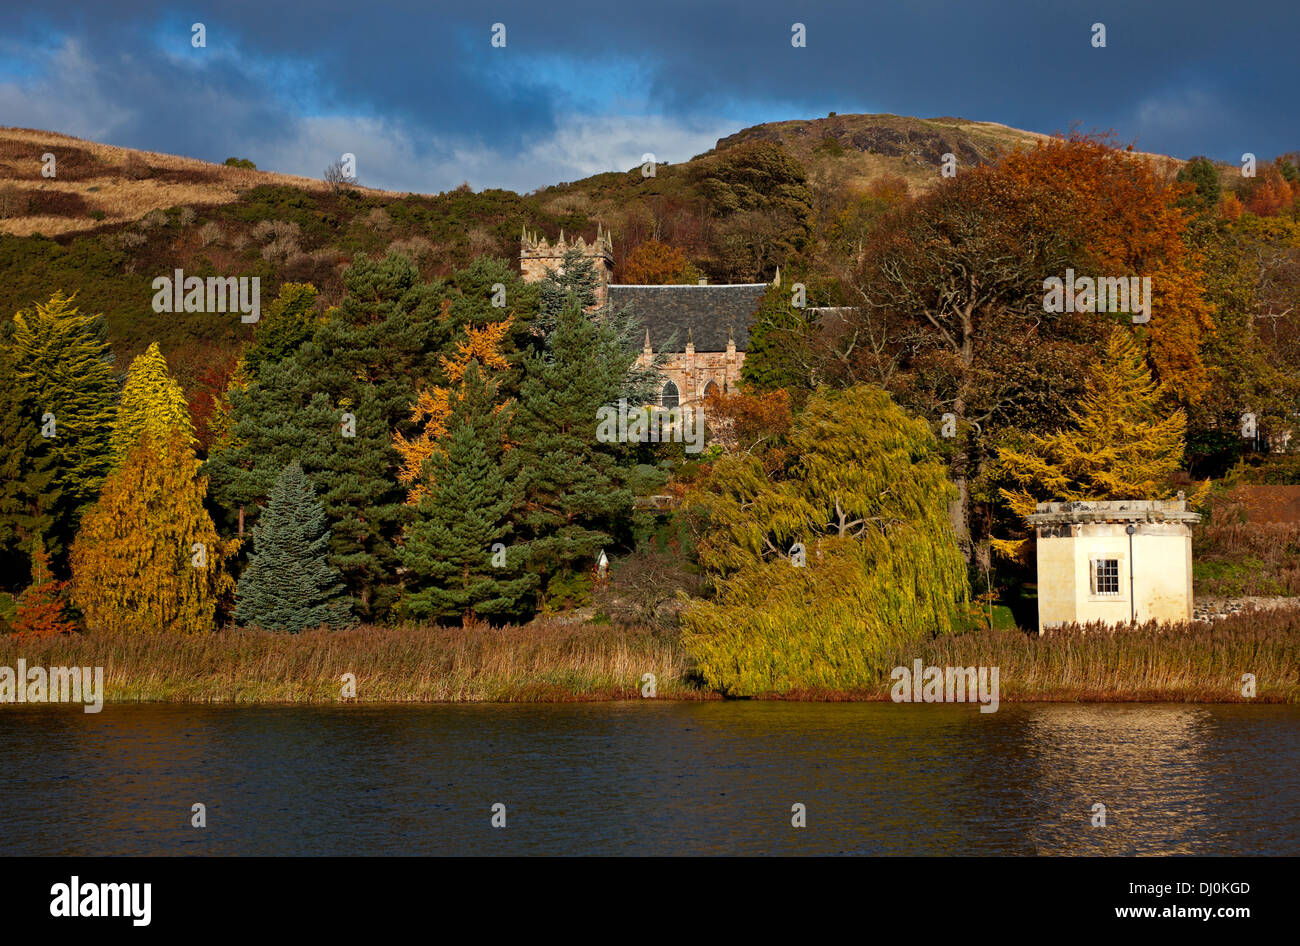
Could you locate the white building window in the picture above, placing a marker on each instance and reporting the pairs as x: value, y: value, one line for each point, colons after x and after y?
x: 1105, y: 576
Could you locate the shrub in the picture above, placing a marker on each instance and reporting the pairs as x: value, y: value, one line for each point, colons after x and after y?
x: 134, y: 168
x: 210, y: 233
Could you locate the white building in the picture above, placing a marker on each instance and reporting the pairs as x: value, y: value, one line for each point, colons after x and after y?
x: 1114, y: 562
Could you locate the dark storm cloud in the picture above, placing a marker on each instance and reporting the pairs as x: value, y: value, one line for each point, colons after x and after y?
x: 294, y: 82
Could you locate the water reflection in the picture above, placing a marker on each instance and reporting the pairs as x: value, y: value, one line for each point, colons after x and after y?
x: 653, y: 778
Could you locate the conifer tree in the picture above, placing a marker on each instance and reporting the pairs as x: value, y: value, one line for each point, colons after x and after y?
x: 350, y: 461
x: 28, y: 494
x: 778, y: 355
x: 288, y: 322
x: 65, y: 368
x: 456, y: 553
x: 1124, y: 443
x: 575, y: 497
x: 152, y: 402
x: 574, y: 284
x: 289, y: 584
x: 433, y: 406
x: 147, y: 558
x: 40, y: 608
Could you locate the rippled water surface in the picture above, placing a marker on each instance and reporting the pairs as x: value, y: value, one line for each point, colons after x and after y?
x: 652, y: 778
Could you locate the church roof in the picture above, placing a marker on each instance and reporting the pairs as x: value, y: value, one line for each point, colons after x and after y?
x: 705, y: 314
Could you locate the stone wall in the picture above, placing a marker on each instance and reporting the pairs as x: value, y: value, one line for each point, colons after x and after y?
x: 693, y: 371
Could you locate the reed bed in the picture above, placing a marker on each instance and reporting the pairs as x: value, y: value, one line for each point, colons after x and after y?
x: 1178, y: 663
x: 562, y: 662
x: 536, y: 663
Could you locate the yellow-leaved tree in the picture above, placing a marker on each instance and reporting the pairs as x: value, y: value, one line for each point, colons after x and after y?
x: 1125, y: 443
x: 151, y: 402
x: 147, y: 558
x: 433, y: 407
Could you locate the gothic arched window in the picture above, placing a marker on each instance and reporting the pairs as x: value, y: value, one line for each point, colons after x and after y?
x: 711, y: 390
x: 668, y: 397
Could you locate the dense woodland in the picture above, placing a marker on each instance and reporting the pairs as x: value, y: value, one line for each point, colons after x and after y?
x: 388, y: 445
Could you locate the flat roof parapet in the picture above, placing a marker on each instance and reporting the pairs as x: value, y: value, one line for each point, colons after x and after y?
x: 1117, y: 510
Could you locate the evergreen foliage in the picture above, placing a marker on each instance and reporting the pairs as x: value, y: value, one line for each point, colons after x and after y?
x: 28, y: 494
x: 289, y: 584
x: 455, y: 552
x: 575, y: 497
x: 351, y: 464
x: 288, y: 322
x: 64, y: 366
x: 777, y: 356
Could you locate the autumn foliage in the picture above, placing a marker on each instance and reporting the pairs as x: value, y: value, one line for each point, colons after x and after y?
x: 40, y: 610
x: 148, y: 558
x: 1131, y: 224
x: 433, y: 407
x: 654, y: 263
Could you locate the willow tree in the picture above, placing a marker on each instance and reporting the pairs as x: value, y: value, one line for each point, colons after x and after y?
x: 825, y: 567
x: 1124, y: 442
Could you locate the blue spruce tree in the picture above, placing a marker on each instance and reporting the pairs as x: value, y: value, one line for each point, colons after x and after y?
x: 289, y: 584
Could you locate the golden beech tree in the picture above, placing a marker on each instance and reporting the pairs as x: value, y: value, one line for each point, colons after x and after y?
x: 147, y: 558
x: 1124, y: 444
x: 432, y: 407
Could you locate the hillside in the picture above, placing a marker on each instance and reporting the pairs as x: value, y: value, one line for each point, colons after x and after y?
x: 113, y: 218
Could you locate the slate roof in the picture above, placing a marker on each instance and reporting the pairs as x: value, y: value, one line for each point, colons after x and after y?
x: 706, y: 311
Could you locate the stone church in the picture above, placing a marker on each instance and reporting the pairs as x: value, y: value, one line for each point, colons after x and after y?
x: 703, y: 330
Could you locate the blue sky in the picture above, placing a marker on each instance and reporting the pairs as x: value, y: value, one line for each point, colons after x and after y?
x: 419, y: 94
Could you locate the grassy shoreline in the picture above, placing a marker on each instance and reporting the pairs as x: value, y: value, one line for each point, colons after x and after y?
x: 570, y: 662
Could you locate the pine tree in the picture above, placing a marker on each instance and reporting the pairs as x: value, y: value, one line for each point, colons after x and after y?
x: 65, y: 369
x: 28, y: 494
x: 40, y: 607
x: 455, y: 552
x: 289, y: 584
x: 1124, y: 444
x: 350, y: 462
x: 152, y: 402
x: 575, y: 497
x: 147, y: 557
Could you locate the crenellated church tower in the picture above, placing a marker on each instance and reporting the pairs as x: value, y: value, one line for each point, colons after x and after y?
x: 536, y: 256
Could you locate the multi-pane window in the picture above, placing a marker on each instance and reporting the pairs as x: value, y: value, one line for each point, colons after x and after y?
x: 1105, y: 576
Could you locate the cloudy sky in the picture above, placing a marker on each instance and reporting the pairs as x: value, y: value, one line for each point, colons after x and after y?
x: 419, y: 94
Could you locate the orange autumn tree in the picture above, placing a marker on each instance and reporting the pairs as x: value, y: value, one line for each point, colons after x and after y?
x: 432, y: 407
x: 1132, y: 226
x: 655, y: 263
x: 40, y: 608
